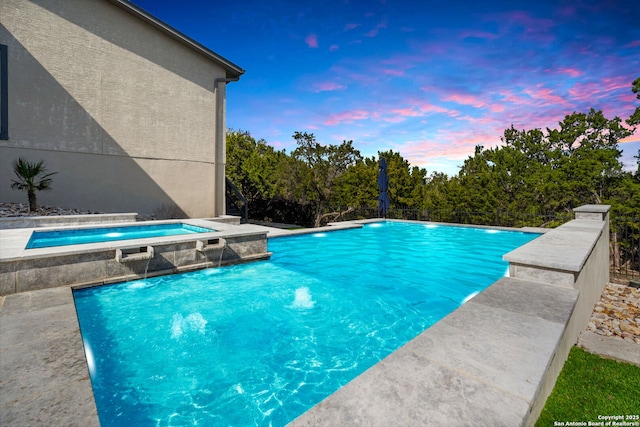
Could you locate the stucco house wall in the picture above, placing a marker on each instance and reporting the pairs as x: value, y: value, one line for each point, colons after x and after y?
x: 121, y: 105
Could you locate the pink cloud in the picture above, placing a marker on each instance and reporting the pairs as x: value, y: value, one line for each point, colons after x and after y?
x: 333, y: 48
x: 374, y: 32
x: 539, y: 29
x: 327, y: 87
x: 635, y: 43
x: 311, y: 40
x: 351, y: 26
x: 346, y: 117
x: 617, y: 83
x: 407, y: 112
x: 570, y: 71
x: 393, y: 72
x: 395, y: 119
x: 479, y: 35
x: 403, y: 61
x: 545, y: 95
x: 477, y: 120
x: 474, y: 101
x: 530, y: 23
x: 594, y: 90
x: 511, y: 97
x: 584, y: 91
x: 430, y: 108
x: 569, y: 10
x: 455, y: 146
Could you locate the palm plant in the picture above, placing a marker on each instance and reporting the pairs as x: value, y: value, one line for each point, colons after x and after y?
x: 32, y: 177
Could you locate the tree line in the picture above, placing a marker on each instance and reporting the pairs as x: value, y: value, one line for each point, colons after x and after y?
x: 532, y: 171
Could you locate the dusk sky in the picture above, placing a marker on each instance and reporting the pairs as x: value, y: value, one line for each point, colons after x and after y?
x: 429, y: 79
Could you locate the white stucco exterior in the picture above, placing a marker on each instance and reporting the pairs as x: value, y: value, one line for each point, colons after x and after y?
x: 122, y: 106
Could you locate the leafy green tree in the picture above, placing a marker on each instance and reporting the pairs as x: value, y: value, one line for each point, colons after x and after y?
x: 530, y: 172
x: 440, y: 192
x: 255, y: 167
x: 406, y: 183
x: 316, y: 167
x: 534, y: 172
x: 357, y: 186
x: 634, y: 120
x: 31, y: 177
x: 590, y: 158
x: 479, y: 182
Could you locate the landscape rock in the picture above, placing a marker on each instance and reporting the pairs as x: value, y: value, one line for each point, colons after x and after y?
x: 617, y: 314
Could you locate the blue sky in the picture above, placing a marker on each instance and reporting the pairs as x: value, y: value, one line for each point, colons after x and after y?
x: 430, y: 79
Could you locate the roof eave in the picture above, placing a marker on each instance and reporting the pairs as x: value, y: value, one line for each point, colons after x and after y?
x: 232, y: 69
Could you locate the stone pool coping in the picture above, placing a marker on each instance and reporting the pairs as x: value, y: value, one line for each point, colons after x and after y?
x: 491, y: 362
x: 481, y: 365
x: 13, y: 242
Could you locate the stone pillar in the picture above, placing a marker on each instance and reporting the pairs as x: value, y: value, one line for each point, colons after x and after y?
x: 595, y: 212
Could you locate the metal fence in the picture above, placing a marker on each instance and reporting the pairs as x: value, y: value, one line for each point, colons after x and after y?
x: 623, y: 247
x: 624, y: 231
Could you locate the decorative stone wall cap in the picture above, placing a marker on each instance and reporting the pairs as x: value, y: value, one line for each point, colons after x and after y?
x: 593, y: 208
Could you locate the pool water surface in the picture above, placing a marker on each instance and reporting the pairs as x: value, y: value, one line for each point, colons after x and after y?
x: 65, y: 237
x: 261, y: 343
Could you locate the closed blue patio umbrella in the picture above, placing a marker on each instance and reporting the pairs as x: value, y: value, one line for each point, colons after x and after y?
x: 383, y: 185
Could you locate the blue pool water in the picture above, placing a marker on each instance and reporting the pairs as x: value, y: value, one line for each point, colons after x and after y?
x: 260, y: 343
x: 46, y: 239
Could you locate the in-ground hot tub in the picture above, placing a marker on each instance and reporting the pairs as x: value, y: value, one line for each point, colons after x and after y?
x: 115, y: 252
x: 77, y: 236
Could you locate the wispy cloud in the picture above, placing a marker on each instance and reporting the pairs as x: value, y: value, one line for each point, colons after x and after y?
x: 347, y: 117
x: 374, y: 32
x: 407, y: 112
x: 429, y: 82
x: 327, y: 87
x: 478, y: 34
x: 474, y: 101
x: 572, y: 72
x: 393, y: 72
x: 543, y: 96
x: 311, y: 40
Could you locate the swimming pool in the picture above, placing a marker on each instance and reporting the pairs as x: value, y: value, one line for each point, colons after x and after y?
x: 65, y: 237
x: 261, y: 343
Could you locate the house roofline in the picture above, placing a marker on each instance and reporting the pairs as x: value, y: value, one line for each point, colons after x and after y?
x: 232, y: 69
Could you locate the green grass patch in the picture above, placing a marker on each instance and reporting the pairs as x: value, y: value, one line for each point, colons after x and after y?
x: 589, y: 386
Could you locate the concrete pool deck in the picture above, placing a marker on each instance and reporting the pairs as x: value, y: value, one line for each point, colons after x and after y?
x: 491, y: 362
